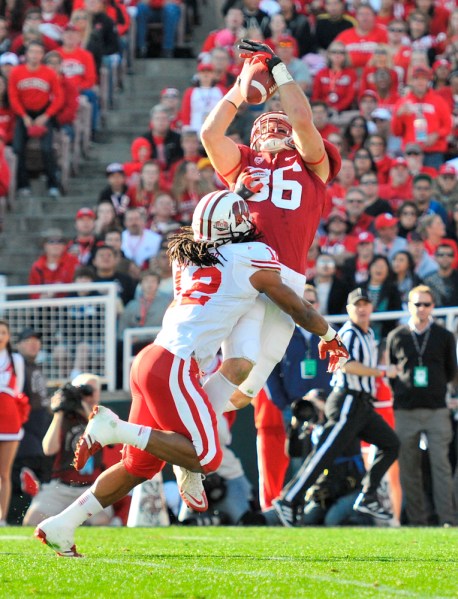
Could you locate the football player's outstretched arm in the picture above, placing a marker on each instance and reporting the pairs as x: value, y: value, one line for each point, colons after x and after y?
x: 304, y: 314
x: 306, y: 136
x: 223, y: 152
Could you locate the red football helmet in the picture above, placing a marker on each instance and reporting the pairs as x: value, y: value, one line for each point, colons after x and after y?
x: 272, y: 132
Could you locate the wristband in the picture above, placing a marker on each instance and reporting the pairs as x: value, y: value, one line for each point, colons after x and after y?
x: 281, y: 74
x: 329, y: 335
x: 234, y: 97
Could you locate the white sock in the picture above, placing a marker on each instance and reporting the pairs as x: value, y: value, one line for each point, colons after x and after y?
x: 136, y: 435
x: 81, y: 509
x: 219, y: 390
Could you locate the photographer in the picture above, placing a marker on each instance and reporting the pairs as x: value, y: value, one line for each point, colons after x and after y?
x: 71, y: 405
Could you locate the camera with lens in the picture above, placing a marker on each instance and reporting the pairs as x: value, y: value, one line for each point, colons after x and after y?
x: 304, y: 417
x: 71, y: 397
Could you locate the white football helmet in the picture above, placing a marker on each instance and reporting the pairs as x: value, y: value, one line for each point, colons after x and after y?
x: 272, y: 132
x: 220, y: 215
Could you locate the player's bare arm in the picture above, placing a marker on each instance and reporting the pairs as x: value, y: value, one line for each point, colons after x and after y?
x: 304, y: 314
x: 307, y: 139
x: 222, y: 150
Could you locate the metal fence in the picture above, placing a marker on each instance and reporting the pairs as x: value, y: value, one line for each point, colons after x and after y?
x: 78, y: 329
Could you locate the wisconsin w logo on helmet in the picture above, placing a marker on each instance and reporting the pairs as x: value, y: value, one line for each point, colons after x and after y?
x: 221, y: 216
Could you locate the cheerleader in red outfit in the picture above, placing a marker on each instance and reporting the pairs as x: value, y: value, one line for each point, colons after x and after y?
x: 12, y: 414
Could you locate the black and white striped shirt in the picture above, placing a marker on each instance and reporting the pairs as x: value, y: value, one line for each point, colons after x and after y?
x: 362, y: 348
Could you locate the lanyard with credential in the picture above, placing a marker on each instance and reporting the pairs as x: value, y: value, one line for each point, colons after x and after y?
x: 420, y: 350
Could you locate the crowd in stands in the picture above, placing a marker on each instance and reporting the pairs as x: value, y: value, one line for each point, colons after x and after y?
x: 382, y: 79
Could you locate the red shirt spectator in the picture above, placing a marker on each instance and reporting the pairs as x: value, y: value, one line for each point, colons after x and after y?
x: 362, y: 40
x: 422, y: 106
x: 78, y: 64
x: 34, y: 90
x: 55, y: 265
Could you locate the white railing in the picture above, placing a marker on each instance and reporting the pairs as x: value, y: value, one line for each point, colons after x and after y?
x: 449, y: 315
x: 76, y: 331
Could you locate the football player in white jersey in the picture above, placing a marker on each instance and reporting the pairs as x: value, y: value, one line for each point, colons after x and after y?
x: 220, y: 268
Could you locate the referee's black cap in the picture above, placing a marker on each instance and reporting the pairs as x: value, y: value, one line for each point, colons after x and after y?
x: 356, y: 295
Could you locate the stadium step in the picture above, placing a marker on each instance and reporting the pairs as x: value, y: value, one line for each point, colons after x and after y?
x: 20, y: 243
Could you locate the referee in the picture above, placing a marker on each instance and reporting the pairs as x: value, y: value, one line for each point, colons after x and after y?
x: 349, y: 414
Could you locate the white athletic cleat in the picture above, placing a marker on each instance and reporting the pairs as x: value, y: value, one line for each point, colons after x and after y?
x: 60, y: 539
x: 100, y: 431
x: 191, y: 488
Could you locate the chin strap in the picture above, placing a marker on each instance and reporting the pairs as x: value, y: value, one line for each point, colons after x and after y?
x: 275, y: 145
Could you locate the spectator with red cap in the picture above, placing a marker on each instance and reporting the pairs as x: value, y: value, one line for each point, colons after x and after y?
x: 445, y: 186
x: 336, y: 83
x: 362, y: 40
x: 423, y: 117
x: 55, y: 265
x: 171, y: 100
x: 356, y: 268
x: 387, y: 241
x: 82, y: 246
x: 399, y: 186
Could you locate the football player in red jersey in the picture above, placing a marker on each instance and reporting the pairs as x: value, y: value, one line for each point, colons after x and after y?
x: 283, y: 176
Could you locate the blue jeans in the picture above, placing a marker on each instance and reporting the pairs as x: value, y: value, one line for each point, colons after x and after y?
x: 47, y: 152
x: 169, y: 16
x: 94, y: 102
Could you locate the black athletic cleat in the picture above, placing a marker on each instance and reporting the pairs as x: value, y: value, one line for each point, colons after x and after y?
x: 369, y: 504
x: 287, y: 512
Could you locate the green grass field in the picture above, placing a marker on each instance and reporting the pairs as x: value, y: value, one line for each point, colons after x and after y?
x: 204, y: 563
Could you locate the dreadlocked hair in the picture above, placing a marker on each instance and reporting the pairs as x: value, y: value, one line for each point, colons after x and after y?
x: 185, y: 250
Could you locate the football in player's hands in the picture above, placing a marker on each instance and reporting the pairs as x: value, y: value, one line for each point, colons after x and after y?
x: 256, y: 83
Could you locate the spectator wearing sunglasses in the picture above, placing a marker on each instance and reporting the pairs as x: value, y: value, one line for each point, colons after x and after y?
x: 445, y: 280
x: 424, y: 354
